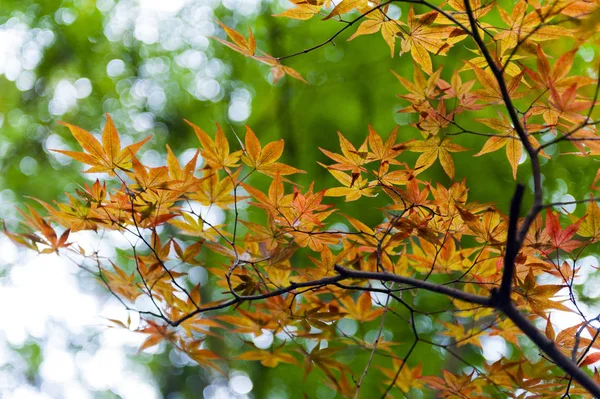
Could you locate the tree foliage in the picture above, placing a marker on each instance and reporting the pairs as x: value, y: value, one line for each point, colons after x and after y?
x: 296, y: 267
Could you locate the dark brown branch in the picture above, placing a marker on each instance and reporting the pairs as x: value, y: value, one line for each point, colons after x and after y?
x: 416, y: 283
x: 511, y: 246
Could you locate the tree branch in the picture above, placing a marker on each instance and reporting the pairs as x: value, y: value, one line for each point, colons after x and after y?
x: 511, y: 246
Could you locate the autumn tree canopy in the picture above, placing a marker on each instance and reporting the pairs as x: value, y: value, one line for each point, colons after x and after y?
x: 439, y: 270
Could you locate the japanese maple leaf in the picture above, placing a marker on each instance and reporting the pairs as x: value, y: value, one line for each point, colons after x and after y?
x: 462, y: 334
x: 121, y: 283
x: 413, y: 196
x: 556, y: 76
x: 303, y: 10
x: 455, y: 385
x: 278, y: 70
x: 268, y: 235
x: 539, y: 297
x: 352, y: 188
x: 203, y: 357
x: 420, y: 89
x: 307, y: 208
x: 402, y: 376
x: 247, y: 47
x: 239, y: 43
x: 459, y: 90
x: 275, y: 201
x: 46, y: 235
x: 386, y: 152
x: 509, y: 139
x: 376, y: 21
x: 532, y: 27
x: 421, y: 38
x: 324, y: 359
x: 83, y: 213
x: 263, y: 159
x: 215, y: 191
x: 269, y: 358
x: 428, y: 256
x: 561, y: 238
x: 567, y: 105
x: 504, y: 61
x: 345, y: 6
x: 432, y: 149
x: 361, y: 309
x: 182, y: 178
x: 432, y: 120
x: 590, y: 226
x: 479, y: 10
x: 351, y: 158
x: 156, y: 334
x: 249, y: 322
x: 216, y: 153
x: 490, y: 228
x: 106, y: 156
x: 490, y: 91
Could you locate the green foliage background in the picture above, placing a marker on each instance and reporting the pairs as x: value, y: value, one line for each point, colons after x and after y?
x: 351, y: 86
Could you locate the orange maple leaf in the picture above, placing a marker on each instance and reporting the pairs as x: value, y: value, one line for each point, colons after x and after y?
x: 105, y: 157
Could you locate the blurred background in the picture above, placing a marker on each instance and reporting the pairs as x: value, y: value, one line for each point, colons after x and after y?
x: 150, y: 64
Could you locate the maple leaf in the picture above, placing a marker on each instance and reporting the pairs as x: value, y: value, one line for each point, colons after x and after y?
x: 532, y: 27
x: 557, y: 76
x: 215, y: 191
x: 204, y: 357
x: 323, y: 358
x: 351, y: 158
x: 378, y: 21
x: 156, y: 334
x: 421, y: 38
x: 353, y: 188
x: 462, y: 334
x: 566, y: 105
x: 432, y: 120
x: 590, y: 359
x: 490, y: 91
x: 250, y: 322
x: 560, y: 238
x: 386, y: 152
x: 47, y: 235
x: 589, y: 227
x: 509, y: 139
x: 216, y: 153
x: 345, y: 6
x: 189, y: 254
x: 478, y: 10
x: 269, y: 358
x: 263, y: 159
x: 539, y: 297
x: 303, y: 10
x: 361, y: 310
x: 454, y: 385
x: 406, y: 379
x: 278, y: 71
x: 121, y: 283
x: 420, y: 90
x: 432, y: 149
x: 106, y: 156
x: 196, y: 227
x: 490, y: 228
x: 240, y: 44
x: 247, y: 47
x: 461, y: 91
